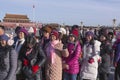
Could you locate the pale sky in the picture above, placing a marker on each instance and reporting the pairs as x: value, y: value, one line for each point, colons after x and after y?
x: 70, y: 12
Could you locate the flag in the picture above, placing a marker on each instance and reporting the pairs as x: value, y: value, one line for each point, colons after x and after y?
x: 33, y: 6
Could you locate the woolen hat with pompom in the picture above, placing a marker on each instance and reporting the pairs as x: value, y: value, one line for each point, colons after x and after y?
x: 75, y: 32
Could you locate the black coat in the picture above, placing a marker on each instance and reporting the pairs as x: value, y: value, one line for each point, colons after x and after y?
x: 105, y: 53
x: 36, y: 57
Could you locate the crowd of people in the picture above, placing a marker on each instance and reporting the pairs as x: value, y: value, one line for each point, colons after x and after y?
x: 62, y: 53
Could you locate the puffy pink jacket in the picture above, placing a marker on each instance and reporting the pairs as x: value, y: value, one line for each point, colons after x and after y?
x: 72, y: 59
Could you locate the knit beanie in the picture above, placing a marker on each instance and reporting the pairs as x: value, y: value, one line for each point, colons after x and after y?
x: 89, y: 33
x: 75, y: 33
x: 55, y: 33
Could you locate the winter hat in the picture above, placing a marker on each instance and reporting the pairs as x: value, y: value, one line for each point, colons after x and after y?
x: 55, y: 33
x: 89, y: 33
x: 4, y: 37
x: 31, y: 30
x: 75, y: 33
x: 47, y: 29
x: 23, y: 30
x: 62, y: 30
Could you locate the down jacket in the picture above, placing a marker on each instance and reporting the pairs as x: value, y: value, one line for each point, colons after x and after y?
x: 73, y: 59
x: 90, y: 70
x: 8, y: 59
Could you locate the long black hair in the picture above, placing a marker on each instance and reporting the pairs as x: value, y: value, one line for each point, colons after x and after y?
x: 29, y: 41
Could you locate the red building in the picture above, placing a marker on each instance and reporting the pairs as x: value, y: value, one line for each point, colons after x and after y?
x: 13, y: 20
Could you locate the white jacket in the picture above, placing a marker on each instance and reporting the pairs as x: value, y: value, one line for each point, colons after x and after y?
x: 90, y: 70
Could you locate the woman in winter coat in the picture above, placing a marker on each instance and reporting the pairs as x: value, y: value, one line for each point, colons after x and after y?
x: 105, y: 53
x: 45, y: 38
x: 19, y: 40
x: 116, y: 47
x: 54, y: 53
x: 91, y: 50
x: 32, y: 57
x: 71, y: 63
x: 8, y: 60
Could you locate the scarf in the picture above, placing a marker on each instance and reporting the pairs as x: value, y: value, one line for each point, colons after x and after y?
x: 18, y: 47
x: 51, y: 50
x: 29, y: 51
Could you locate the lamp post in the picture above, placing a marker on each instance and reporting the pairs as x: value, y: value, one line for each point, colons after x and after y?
x: 81, y: 29
x: 98, y: 26
x: 33, y: 15
x: 114, y: 23
x: 81, y: 24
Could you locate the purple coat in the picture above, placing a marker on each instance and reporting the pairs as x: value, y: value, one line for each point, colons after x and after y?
x: 72, y: 59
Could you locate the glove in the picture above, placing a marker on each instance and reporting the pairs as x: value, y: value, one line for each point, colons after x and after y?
x: 91, y: 60
x: 99, y: 60
x: 25, y: 62
x: 35, y: 68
